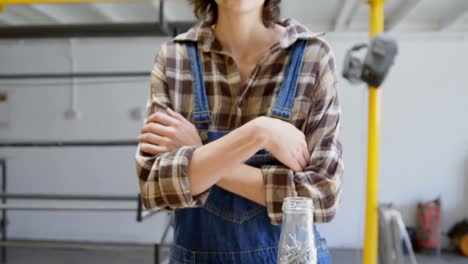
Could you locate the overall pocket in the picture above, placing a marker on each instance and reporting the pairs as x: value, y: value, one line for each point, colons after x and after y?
x: 231, y: 207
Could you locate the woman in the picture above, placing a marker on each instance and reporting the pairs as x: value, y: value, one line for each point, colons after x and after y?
x: 243, y: 112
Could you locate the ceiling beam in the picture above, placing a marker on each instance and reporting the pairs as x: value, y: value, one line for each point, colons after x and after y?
x: 10, y: 16
x: 454, y: 18
x: 38, y: 14
x: 402, y: 11
x: 95, y: 30
x: 346, y: 14
x: 46, y: 10
x: 103, y: 11
x: 9, y: 19
x: 65, y: 14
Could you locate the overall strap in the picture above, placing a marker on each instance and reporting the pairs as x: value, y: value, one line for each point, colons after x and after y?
x: 287, y: 93
x: 201, y: 114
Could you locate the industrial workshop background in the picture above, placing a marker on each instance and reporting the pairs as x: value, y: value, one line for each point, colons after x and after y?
x: 74, y: 80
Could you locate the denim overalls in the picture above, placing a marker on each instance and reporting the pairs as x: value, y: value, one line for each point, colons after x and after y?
x: 230, y: 228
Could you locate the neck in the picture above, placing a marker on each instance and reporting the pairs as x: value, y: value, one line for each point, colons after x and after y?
x: 239, y: 32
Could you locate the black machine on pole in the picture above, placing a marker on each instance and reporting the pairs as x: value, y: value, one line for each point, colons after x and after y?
x: 374, y: 68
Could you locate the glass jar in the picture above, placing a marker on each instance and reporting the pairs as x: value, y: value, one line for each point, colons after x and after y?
x: 297, y: 241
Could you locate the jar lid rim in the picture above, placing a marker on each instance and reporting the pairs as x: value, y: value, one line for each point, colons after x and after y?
x: 298, y: 203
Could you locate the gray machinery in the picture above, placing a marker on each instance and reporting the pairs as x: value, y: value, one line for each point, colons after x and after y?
x: 377, y: 62
x: 373, y: 70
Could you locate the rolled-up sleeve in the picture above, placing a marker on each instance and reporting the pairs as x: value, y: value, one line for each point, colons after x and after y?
x: 321, y: 179
x: 163, y: 178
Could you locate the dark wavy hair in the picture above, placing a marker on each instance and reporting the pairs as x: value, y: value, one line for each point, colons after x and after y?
x: 207, y: 10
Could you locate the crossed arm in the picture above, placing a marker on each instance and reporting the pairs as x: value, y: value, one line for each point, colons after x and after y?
x: 212, y: 164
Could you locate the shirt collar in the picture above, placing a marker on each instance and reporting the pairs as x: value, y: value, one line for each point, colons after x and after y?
x: 204, y: 35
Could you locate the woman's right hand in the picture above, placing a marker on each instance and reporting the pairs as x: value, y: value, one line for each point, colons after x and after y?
x: 285, y: 142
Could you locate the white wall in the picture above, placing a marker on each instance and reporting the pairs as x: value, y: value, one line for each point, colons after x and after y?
x: 424, y: 134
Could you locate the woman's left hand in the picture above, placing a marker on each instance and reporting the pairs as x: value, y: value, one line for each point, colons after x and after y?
x: 164, y: 132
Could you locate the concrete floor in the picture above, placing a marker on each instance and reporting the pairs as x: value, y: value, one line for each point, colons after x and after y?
x: 145, y: 256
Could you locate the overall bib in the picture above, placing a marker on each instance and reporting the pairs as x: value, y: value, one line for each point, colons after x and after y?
x: 230, y: 228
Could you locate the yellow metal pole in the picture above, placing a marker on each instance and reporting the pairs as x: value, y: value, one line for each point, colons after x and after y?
x: 373, y: 148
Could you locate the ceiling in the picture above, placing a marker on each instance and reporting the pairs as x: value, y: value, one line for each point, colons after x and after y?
x: 319, y: 15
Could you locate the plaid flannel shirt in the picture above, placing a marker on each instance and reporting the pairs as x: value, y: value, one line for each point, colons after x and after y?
x: 163, y: 178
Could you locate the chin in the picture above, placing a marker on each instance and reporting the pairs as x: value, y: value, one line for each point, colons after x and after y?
x: 240, y: 6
